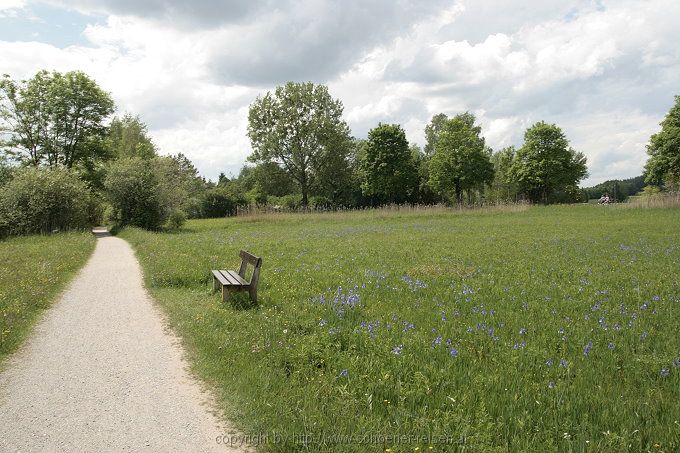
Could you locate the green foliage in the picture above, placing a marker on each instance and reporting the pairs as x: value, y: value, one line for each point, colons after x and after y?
x: 618, y: 189
x: 272, y: 179
x: 176, y: 219
x: 128, y: 137
x: 546, y: 163
x: 180, y: 187
x: 502, y: 188
x: 55, y: 119
x: 461, y: 161
x: 294, y: 127
x: 134, y: 191
x: 43, y: 200
x: 33, y: 270
x: 432, y: 131
x: 220, y: 201
x: 388, y: 172
x: 6, y: 171
x: 663, y: 165
x: 516, y: 293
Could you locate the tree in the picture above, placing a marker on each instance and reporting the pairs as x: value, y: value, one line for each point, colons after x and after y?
x: 663, y: 165
x: 546, y: 163
x: 388, y: 171
x: 272, y: 179
x: 461, y: 161
x: 502, y: 188
x: 54, y: 119
x: 333, y: 176
x: 294, y: 127
x: 180, y: 187
x: 432, y: 131
x: 128, y: 137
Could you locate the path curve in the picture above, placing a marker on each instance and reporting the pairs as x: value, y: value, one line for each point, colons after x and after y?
x: 102, y: 373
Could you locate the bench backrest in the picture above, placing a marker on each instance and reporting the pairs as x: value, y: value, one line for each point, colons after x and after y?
x: 247, y: 258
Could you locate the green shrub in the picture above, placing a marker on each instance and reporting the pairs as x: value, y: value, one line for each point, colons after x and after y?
x: 133, y: 190
x: 177, y: 219
x: 42, y: 201
x: 218, y: 202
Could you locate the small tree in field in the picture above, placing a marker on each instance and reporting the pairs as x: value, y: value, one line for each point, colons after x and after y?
x: 546, y: 163
x: 388, y: 169
x: 296, y: 127
x: 461, y: 161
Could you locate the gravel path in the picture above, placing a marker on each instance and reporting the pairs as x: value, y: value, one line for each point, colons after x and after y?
x: 101, y: 373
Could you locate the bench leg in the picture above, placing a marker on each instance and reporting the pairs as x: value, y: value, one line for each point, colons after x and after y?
x: 215, y: 284
x: 225, y: 294
x: 252, y: 292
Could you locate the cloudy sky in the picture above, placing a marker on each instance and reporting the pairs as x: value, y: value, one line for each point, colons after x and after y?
x: 605, y: 71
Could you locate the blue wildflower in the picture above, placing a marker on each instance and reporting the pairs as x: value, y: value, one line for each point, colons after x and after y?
x: 676, y: 363
x: 453, y: 352
x: 644, y: 336
x: 563, y: 363
x: 551, y: 384
x: 398, y: 349
x: 664, y: 372
x: 344, y: 373
x: 322, y: 322
x: 611, y: 345
x: 588, y: 348
x: 436, y: 342
x: 549, y: 362
x: 522, y: 331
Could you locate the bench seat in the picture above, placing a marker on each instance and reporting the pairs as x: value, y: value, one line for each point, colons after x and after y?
x: 235, y: 281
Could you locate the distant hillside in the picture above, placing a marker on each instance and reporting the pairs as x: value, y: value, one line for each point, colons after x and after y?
x: 619, y: 189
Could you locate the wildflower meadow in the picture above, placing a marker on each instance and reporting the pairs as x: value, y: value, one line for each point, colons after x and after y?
x: 533, y: 329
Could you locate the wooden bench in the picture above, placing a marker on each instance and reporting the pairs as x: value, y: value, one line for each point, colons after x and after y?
x: 236, y: 281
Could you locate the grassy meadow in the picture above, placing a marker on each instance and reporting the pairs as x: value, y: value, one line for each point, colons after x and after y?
x: 525, y: 329
x: 33, y: 270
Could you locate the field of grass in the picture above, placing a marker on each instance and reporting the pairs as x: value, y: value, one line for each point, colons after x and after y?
x: 547, y: 328
x: 33, y: 270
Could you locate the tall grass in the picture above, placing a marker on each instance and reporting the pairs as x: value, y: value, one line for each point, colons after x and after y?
x: 33, y: 270
x: 659, y: 201
x: 548, y: 328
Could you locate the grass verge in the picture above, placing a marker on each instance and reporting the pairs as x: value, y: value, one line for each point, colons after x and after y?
x: 33, y: 270
x: 549, y: 328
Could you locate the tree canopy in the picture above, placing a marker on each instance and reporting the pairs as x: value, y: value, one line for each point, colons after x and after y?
x: 54, y: 119
x: 461, y: 161
x: 294, y: 127
x: 128, y: 137
x: 663, y: 165
x: 546, y: 163
x: 388, y: 170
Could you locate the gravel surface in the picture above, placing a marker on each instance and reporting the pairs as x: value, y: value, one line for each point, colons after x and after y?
x: 102, y: 373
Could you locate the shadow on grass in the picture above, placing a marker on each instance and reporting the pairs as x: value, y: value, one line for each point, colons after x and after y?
x: 236, y: 301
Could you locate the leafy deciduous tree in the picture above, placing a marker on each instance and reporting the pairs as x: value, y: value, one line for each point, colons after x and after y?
x: 432, y: 131
x: 663, y: 165
x: 388, y: 171
x: 54, y: 118
x: 128, y: 137
x: 294, y: 127
x: 546, y: 163
x: 461, y: 161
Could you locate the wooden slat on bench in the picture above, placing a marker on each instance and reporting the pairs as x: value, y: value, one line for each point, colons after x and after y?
x: 218, y: 275
x: 229, y: 278
x: 238, y: 278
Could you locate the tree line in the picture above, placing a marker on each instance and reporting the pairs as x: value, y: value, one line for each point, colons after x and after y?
x: 65, y: 162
